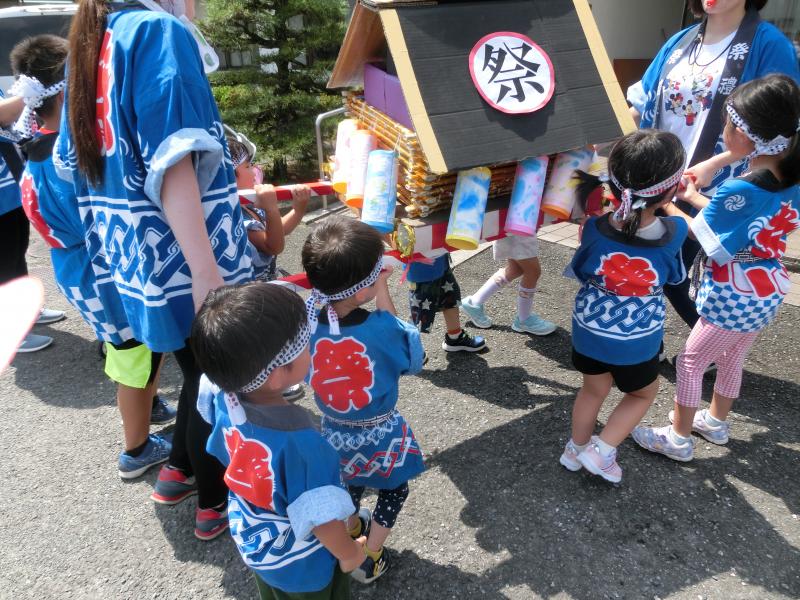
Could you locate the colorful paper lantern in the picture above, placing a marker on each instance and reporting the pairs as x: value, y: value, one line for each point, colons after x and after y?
x: 380, y: 190
x: 469, y: 208
x: 362, y: 142
x: 341, y: 168
x: 559, y: 195
x: 526, y: 198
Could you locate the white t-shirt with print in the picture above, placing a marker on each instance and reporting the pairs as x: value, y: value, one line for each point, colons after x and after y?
x: 688, y: 92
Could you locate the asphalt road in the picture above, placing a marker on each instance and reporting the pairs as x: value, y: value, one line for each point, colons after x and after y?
x: 494, y: 516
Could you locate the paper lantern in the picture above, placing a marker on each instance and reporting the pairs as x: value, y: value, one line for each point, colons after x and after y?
x: 526, y: 198
x: 469, y: 208
x: 341, y: 168
x: 380, y: 190
x: 361, y: 144
x: 559, y: 195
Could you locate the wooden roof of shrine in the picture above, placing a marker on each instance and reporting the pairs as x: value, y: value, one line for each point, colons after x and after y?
x: 429, y: 45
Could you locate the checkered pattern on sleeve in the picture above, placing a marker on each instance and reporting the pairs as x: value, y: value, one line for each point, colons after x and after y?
x: 730, y: 310
x: 91, y: 309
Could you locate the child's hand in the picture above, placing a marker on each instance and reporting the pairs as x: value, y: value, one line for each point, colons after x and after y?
x: 301, y: 194
x: 383, y: 278
x: 266, y: 198
x: 687, y: 188
x: 351, y: 563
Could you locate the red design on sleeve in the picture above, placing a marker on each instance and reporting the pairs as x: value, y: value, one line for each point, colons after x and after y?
x: 627, y: 276
x: 30, y: 204
x: 249, y: 474
x: 770, y: 242
x: 342, y: 374
x: 105, y: 84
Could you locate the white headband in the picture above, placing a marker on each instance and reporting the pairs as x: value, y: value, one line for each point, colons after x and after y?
x: 653, y: 191
x: 288, y: 353
x: 318, y: 297
x: 240, y: 157
x: 33, y: 93
x: 763, y: 147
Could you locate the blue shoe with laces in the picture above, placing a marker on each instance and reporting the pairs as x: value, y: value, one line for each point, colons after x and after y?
x: 533, y: 324
x: 476, y: 313
x: 155, y: 452
x: 161, y: 413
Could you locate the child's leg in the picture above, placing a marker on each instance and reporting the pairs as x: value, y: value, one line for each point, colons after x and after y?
x: 134, y: 408
x: 531, y: 271
x: 353, y: 522
x: 729, y: 376
x: 452, y: 320
x: 628, y: 413
x: 494, y: 284
x: 587, y: 405
x: 388, y: 507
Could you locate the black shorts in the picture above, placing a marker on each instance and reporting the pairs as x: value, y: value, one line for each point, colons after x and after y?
x: 628, y: 378
x: 429, y: 297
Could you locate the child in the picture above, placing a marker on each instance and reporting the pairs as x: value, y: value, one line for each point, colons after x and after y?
x: 522, y: 259
x: 433, y: 288
x: 624, y: 261
x: 266, y: 229
x: 357, y: 359
x: 52, y: 208
x: 742, y: 231
x: 287, y: 506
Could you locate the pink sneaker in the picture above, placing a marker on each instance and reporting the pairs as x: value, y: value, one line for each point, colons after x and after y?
x: 607, y: 468
x: 210, y: 523
x: 569, y: 458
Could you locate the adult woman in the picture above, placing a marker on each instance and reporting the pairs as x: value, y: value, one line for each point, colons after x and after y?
x: 685, y: 88
x: 142, y: 134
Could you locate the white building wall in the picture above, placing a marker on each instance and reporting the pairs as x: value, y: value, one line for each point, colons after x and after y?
x: 636, y: 29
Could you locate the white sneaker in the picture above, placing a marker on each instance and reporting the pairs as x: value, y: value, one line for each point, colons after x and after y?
x: 47, y: 315
x: 569, y: 458
x: 716, y: 434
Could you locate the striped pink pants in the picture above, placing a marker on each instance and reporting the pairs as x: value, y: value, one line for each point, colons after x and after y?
x: 711, y: 344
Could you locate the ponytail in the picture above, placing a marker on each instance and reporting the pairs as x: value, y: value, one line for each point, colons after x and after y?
x: 789, y: 165
x: 85, y: 37
x: 586, y: 184
x: 631, y: 225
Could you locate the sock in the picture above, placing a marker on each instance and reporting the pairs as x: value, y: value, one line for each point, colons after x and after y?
x: 138, y: 450
x: 677, y: 438
x: 524, y: 302
x: 373, y: 555
x: 712, y: 420
x: 453, y: 335
x: 494, y: 284
x: 155, y: 400
x: 605, y: 449
x: 579, y: 447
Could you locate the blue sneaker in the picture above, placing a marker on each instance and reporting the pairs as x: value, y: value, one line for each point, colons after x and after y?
x: 156, y: 452
x: 659, y: 440
x: 716, y: 434
x: 533, y: 324
x: 476, y: 313
x: 161, y: 412
x: 463, y: 343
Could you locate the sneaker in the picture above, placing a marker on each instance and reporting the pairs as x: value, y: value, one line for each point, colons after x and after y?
x: 464, y: 343
x: 597, y: 464
x: 533, y: 324
x: 172, y: 486
x: 294, y: 393
x: 658, y: 440
x: 33, y: 343
x: 155, y: 452
x: 161, y: 412
x: 50, y: 316
x: 210, y: 523
x: 569, y: 458
x: 371, y: 569
x: 476, y: 313
x: 365, y: 518
x: 716, y: 434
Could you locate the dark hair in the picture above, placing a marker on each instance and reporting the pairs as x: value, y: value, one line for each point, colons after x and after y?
x: 85, y: 36
x: 339, y: 253
x: 639, y: 160
x: 241, y: 328
x: 43, y: 57
x: 771, y: 107
x: 696, y: 6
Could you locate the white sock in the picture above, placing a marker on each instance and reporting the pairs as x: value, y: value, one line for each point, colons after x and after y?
x: 712, y: 420
x: 579, y: 447
x: 524, y: 302
x: 494, y: 284
x: 605, y: 449
x: 678, y: 438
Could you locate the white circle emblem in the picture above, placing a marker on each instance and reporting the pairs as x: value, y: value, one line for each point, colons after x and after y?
x: 734, y: 203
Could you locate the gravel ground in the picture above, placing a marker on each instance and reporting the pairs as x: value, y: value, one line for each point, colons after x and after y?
x: 494, y: 516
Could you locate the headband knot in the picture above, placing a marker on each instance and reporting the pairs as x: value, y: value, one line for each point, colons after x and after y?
x: 33, y: 93
x: 318, y: 297
x: 628, y: 205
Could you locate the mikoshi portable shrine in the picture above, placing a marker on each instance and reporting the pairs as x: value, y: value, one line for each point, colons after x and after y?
x: 466, y: 119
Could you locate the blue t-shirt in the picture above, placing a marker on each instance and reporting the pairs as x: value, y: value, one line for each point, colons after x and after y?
x: 619, y: 310
x: 419, y: 272
x: 284, y: 481
x: 9, y: 188
x: 355, y: 377
x: 751, y: 217
x: 52, y: 209
x: 155, y: 107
